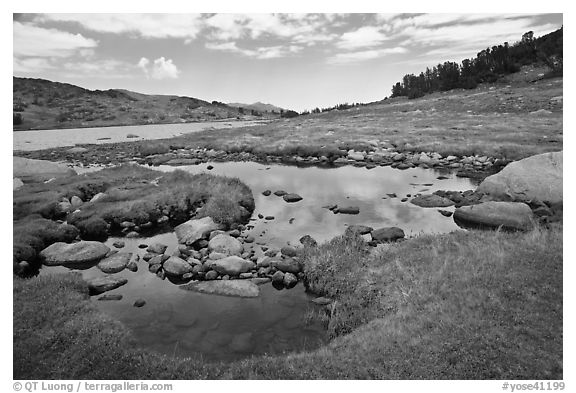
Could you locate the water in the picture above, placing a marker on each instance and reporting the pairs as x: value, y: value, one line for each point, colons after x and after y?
x: 183, y: 323
x: 45, y: 139
x: 344, y: 186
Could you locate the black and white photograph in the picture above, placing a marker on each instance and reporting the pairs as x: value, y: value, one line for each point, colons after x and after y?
x: 287, y: 196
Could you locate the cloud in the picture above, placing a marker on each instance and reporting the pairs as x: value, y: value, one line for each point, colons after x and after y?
x: 146, y: 25
x: 358, y: 56
x: 366, y: 36
x: 161, y: 68
x: 33, y: 41
x: 31, y: 65
x: 269, y: 52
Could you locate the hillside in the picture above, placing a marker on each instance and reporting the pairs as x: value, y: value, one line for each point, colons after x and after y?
x: 43, y: 104
x: 257, y: 106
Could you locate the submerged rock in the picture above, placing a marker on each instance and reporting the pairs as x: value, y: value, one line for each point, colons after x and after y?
x: 508, y: 215
x: 237, y: 288
x: 290, y: 198
x: 115, y: 263
x: 80, y: 253
x: 431, y: 200
x: 347, y: 210
x: 110, y: 297
x: 100, y: 285
x: 196, y: 229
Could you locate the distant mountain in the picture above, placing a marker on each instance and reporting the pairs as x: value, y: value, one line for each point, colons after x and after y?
x: 43, y: 104
x: 257, y: 106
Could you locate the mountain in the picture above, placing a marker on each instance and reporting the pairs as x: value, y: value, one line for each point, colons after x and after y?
x: 43, y: 104
x: 257, y: 106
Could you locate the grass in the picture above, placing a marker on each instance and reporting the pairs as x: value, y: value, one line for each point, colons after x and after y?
x: 134, y: 194
x: 464, y: 305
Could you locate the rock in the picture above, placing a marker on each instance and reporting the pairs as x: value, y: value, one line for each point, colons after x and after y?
x: 216, y: 255
x: 195, y: 229
x: 288, y: 265
x: 225, y: 244
x: 288, y: 251
x: 348, y: 210
x: 269, y: 218
x: 115, y: 263
x: 445, y: 213
x: 237, y: 288
x: 536, y: 178
x: 541, y: 112
x: 359, y: 229
x: 175, y: 266
x: 76, y: 202
x: 127, y: 224
x: 139, y: 303
x: 132, y: 266
x: 97, y: 197
x: 16, y: 183
x: 132, y: 235
x: 508, y: 215
x: 387, y: 234
x: 142, y: 245
x: 278, y: 278
x: 266, y: 192
x: 100, y: 285
x: 154, y: 268
x: 232, y: 265
x: 431, y: 200
x: 356, y: 155
x: 209, y: 167
x: 322, y: 301
x: 110, y: 297
x: 80, y: 253
x: 76, y: 150
x: 280, y: 193
x: 249, y: 239
x: 30, y: 170
x: 211, y: 275
x: 234, y: 233
x: 118, y: 244
x: 260, y: 280
x: 308, y: 241
x: 131, y: 136
x: 291, y: 198
x: 157, y: 248
x: 245, y: 275
x: 64, y: 206
x: 289, y: 280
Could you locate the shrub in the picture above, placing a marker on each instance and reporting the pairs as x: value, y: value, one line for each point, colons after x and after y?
x: 93, y: 228
x: 150, y: 148
x: 17, y: 119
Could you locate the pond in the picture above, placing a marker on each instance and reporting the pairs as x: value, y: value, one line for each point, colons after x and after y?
x: 46, y: 139
x: 183, y: 323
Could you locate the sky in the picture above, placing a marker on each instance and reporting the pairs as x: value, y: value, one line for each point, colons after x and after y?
x: 295, y: 61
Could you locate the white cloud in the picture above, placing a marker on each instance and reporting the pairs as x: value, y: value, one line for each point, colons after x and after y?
x: 366, y: 36
x: 31, y: 65
x: 354, y: 57
x: 269, y: 52
x: 145, y: 25
x: 33, y: 41
x: 161, y: 68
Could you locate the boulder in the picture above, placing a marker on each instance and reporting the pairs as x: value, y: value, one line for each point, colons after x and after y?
x: 431, y: 200
x: 115, y: 263
x: 100, y: 285
x: 290, y: 198
x: 76, y: 202
x: 359, y: 229
x: 196, y: 229
x: 387, y: 234
x: 80, y: 253
x: 97, y: 197
x: 536, y: 178
x: 30, y: 170
x: 278, y: 278
x: 289, y: 280
x: 157, y: 248
x: 237, y: 288
x: 508, y: 215
x: 175, y: 266
x: 225, y: 244
x: 232, y: 265
x: 288, y: 265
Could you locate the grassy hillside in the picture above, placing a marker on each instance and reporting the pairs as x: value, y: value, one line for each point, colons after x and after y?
x: 45, y: 105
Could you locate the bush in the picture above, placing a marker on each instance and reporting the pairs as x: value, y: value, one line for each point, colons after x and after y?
x: 469, y: 83
x: 93, y: 228
x: 150, y: 148
x: 17, y: 119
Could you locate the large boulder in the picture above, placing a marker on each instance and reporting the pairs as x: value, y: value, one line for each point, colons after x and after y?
x: 232, y: 265
x: 175, y: 266
x: 80, y: 253
x: 238, y: 288
x: 431, y: 200
x: 225, y: 244
x: 387, y: 234
x: 534, y: 178
x: 115, y: 263
x: 508, y: 215
x: 288, y: 265
x: 193, y: 230
x: 100, y: 285
x: 30, y: 170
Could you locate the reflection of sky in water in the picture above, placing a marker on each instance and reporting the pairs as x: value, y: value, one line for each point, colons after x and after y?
x: 344, y: 186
